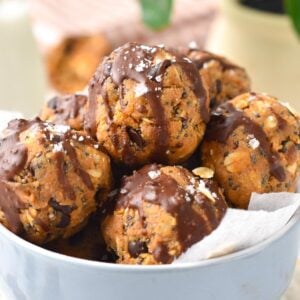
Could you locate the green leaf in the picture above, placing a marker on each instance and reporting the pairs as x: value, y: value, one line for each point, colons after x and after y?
x: 292, y: 7
x: 156, y: 14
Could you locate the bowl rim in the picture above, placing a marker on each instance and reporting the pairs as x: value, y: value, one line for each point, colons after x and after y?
x: 251, y: 251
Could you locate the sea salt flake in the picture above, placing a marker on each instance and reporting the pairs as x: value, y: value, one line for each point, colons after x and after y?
x: 253, y: 143
x: 123, y: 191
x: 187, y: 198
x: 150, y: 195
x: 190, y: 189
x: 205, y: 191
x: 147, y: 48
x: 141, y: 66
x: 154, y: 174
x: 61, y: 128
x: 58, y: 147
x: 81, y: 139
x: 140, y: 89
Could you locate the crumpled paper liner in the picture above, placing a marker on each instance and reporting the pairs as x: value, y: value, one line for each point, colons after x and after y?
x: 241, y: 229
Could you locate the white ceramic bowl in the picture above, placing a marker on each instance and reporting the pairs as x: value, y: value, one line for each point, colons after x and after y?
x: 28, y: 272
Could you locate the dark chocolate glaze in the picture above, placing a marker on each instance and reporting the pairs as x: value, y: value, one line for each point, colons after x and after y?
x: 167, y: 193
x: 10, y: 205
x: 161, y: 254
x: 137, y: 62
x: 282, y: 123
x: 13, y: 154
x: 67, y: 107
x: 13, y: 159
x: 226, y: 118
x: 201, y: 57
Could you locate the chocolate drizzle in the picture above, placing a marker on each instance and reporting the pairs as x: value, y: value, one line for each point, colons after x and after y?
x: 167, y: 193
x: 201, y: 57
x: 14, y: 156
x: 227, y: 118
x: 67, y: 107
x: 10, y: 205
x: 138, y: 63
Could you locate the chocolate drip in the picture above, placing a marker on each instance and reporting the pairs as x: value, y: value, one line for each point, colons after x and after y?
x: 161, y: 254
x: 13, y: 154
x: 62, y: 178
x: 67, y: 107
x: 282, y: 123
x: 167, y: 193
x: 85, y: 177
x: 13, y: 159
x: 10, y: 205
x: 201, y: 57
x: 227, y: 118
x: 137, y: 62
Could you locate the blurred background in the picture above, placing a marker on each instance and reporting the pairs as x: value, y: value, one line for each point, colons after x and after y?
x: 53, y: 46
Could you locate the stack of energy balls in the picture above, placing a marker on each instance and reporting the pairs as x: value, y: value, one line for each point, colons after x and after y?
x: 112, y: 174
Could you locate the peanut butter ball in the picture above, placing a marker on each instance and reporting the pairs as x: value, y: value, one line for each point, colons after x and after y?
x: 49, y: 177
x: 147, y: 104
x: 72, y: 62
x: 159, y: 213
x: 252, y: 144
x: 65, y: 110
x: 224, y: 79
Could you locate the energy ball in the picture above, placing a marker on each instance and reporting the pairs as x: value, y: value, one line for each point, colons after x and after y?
x: 224, y: 79
x: 65, y: 110
x: 159, y: 213
x: 252, y: 144
x: 147, y: 104
x: 51, y: 179
x: 72, y: 63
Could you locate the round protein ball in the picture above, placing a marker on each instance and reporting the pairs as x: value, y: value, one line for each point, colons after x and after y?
x: 252, y: 144
x: 51, y: 179
x: 147, y: 104
x: 65, y: 110
x: 159, y: 213
x: 73, y: 61
x: 224, y: 79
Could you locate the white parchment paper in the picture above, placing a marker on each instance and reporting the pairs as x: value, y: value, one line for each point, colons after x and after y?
x: 241, y: 229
